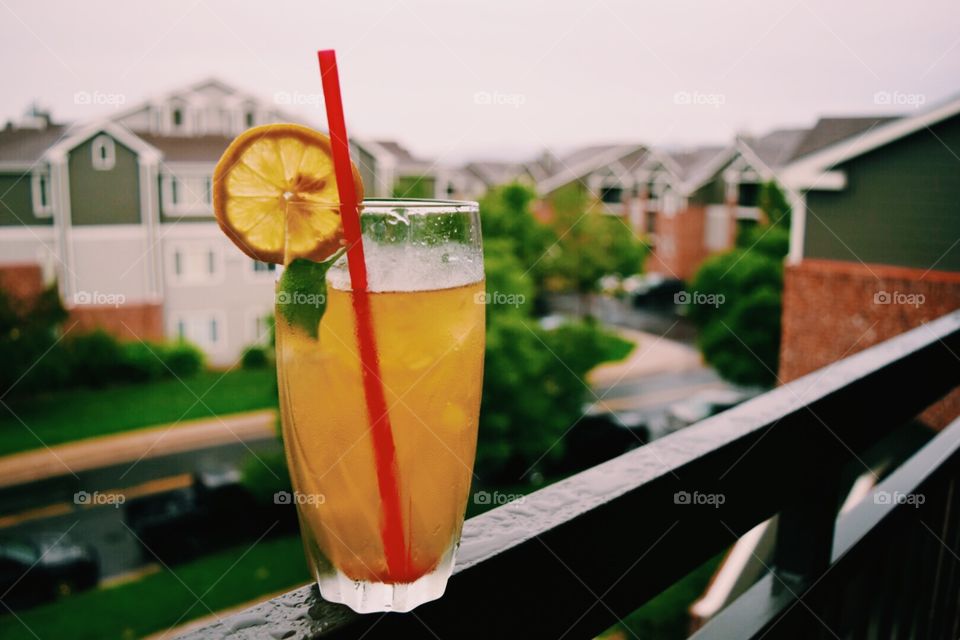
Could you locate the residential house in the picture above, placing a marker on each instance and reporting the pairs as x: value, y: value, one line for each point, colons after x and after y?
x: 874, y: 242
x: 119, y: 212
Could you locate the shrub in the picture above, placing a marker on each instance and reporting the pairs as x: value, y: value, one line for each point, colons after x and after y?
x: 255, y: 357
x: 182, y: 359
x: 142, y: 362
x: 96, y: 358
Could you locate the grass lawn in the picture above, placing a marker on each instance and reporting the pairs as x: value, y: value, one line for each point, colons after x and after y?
x: 665, y: 617
x: 65, y: 416
x: 158, y: 601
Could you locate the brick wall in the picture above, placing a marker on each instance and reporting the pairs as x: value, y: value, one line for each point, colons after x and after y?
x: 684, y: 231
x: 833, y: 309
x: 22, y: 282
x: 125, y: 321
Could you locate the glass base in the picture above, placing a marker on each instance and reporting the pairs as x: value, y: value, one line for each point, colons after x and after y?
x: 373, y: 597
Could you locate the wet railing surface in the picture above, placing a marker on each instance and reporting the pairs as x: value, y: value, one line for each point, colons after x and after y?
x: 575, y: 557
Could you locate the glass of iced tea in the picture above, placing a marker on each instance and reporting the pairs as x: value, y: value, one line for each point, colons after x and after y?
x: 381, y: 489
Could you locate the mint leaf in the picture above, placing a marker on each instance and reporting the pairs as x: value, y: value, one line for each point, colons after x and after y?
x: 302, y: 293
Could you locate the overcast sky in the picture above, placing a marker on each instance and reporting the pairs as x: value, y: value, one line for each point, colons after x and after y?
x: 497, y: 78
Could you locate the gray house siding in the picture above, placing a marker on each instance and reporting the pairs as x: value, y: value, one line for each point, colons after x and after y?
x: 901, y: 205
x: 104, y: 197
x: 16, y: 208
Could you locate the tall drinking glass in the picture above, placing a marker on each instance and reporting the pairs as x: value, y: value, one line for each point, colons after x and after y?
x: 381, y: 519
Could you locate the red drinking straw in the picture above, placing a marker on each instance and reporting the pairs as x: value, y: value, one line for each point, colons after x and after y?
x: 391, y: 528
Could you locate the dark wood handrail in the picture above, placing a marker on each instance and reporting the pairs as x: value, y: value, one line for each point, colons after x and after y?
x: 574, y: 557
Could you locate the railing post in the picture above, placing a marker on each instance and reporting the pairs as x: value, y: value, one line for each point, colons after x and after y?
x: 805, y: 533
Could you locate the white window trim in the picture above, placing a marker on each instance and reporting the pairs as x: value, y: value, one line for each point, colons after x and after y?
x: 188, y: 247
x: 203, y: 210
x: 252, y: 318
x: 204, y: 315
x: 41, y: 210
x: 251, y: 275
x: 101, y: 161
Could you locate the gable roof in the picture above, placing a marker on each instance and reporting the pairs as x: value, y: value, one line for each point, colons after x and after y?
x: 779, y: 146
x: 585, y: 161
x: 809, y: 170
x: 492, y: 173
x: 121, y: 134
x: 831, y: 130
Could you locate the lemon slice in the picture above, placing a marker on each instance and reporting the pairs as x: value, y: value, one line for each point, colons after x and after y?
x: 275, y: 194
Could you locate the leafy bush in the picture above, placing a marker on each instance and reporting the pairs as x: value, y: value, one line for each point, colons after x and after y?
x: 182, y: 359
x: 141, y: 362
x: 96, y: 358
x: 255, y: 357
x: 740, y: 324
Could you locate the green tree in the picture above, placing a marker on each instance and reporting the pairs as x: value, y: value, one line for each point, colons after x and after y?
x: 28, y: 335
x: 533, y: 388
x: 414, y: 187
x: 736, y: 298
x: 591, y: 245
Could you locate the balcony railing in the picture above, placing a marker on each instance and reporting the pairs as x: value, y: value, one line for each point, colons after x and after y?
x: 578, y: 555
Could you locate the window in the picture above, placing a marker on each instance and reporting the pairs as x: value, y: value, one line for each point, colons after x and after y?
x: 187, y: 193
x: 651, y: 222
x: 748, y: 194
x: 42, y: 206
x: 717, y: 229
x: 177, y: 117
x: 263, y: 267
x: 195, y: 263
x: 611, y: 195
x: 103, y: 153
x: 248, y: 119
x: 206, y: 329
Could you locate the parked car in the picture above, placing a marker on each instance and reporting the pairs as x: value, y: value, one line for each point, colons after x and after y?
x: 43, y: 566
x: 214, y: 512
x: 704, y: 404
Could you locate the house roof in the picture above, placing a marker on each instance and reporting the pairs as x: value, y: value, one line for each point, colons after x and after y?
x: 397, y: 150
x: 585, y: 161
x: 831, y: 130
x: 495, y: 173
x: 815, y: 169
x: 27, y: 145
x: 779, y: 146
x: 207, y: 148
x: 689, y: 162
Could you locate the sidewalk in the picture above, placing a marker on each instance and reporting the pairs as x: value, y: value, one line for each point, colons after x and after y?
x: 151, y: 442
x: 651, y: 355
